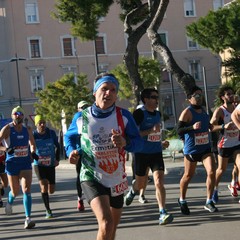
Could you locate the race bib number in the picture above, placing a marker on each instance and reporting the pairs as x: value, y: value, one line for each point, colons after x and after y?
x: 154, y: 137
x: 232, y: 133
x: 21, y: 152
x: 119, y: 189
x: 45, y: 161
x: 201, y: 138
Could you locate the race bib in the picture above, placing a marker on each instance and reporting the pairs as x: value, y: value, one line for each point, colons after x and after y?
x: 154, y: 137
x: 44, y: 161
x: 201, y: 138
x: 21, y: 151
x: 232, y: 133
x: 119, y: 189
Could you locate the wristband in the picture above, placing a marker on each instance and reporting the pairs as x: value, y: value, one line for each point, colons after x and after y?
x: 223, y: 126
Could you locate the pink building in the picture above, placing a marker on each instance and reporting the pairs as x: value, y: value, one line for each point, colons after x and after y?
x: 43, y: 49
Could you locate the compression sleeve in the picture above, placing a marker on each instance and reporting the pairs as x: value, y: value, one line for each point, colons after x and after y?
x: 182, y: 128
x: 138, y: 116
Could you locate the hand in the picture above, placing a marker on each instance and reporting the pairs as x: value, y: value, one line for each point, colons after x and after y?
x: 229, y: 125
x: 56, y: 163
x: 34, y: 156
x: 10, y: 150
x: 197, y: 125
x: 156, y: 128
x: 117, y: 139
x: 74, y: 157
x: 165, y: 144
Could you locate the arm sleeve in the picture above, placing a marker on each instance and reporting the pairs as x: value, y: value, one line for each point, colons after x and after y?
x: 138, y: 116
x: 133, y: 138
x: 72, y: 137
x: 182, y: 128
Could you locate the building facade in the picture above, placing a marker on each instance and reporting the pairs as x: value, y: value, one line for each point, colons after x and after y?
x: 36, y: 49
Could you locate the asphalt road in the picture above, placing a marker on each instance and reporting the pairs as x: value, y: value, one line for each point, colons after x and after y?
x: 139, y: 222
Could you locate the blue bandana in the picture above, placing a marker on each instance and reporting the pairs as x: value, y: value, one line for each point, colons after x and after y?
x: 105, y: 79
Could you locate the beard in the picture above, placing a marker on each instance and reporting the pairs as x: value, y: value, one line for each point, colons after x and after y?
x: 18, y: 121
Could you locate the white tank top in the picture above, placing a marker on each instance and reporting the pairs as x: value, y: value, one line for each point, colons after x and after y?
x: 230, y: 137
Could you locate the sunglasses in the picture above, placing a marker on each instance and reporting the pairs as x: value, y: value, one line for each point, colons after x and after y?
x: 154, y: 97
x: 197, y: 95
x: 229, y: 94
x: 18, y: 114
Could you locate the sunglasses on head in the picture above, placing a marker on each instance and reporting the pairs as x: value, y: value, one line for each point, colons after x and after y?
x: 197, y: 95
x: 18, y: 114
x: 154, y: 97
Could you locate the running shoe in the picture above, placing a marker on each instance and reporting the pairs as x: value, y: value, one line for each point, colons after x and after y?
x: 215, y: 196
x: 184, y: 207
x: 129, y: 197
x: 29, y: 223
x: 237, y: 185
x: 233, y: 190
x: 210, y: 207
x: 142, y: 199
x: 8, y: 209
x: 49, y: 214
x: 80, y: 206
x: 1, y: 203
x: 165, y: 218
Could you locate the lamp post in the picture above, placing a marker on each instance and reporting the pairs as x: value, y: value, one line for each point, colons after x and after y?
x: 96, y: 57
x: 16, y: 59
x: 173, y: 97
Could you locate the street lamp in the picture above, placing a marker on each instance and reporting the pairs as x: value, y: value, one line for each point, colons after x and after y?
x: 96, y: 56
x: 173, y: 98
x: 16, y: 59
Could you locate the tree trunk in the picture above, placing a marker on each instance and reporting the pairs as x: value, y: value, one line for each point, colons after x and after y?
x: 131, y: 54
x: 184, y: 79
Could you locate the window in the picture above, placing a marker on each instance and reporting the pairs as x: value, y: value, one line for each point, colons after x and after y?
x: 103, y: 67
x: 163, y: 36
x: 67, y: 43
x: 101, y: 19
x: 192, y: 45
x: 2, y: 12
x: 217, y: 4
x: 165, y: 76
x: 189, y: 8
x: 66, y: 69
x: 36, y: 79
x: 195, y: 69
x: 31, y: 11
x: 100, y: 44
x: 35, y: 50
x: 167, y: 108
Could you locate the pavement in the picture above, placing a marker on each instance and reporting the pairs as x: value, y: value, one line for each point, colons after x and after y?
x: 138, y: 222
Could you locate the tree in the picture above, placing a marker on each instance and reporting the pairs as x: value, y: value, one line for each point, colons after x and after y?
x: 184, y: 79
x: 220, y: 30
x: 83, y: 14
x: 63, y: 94
x: 139, y: 17
x: 149, y: 71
